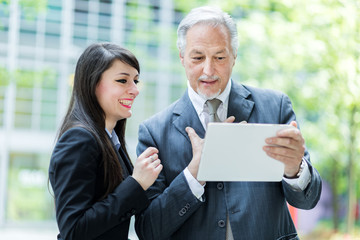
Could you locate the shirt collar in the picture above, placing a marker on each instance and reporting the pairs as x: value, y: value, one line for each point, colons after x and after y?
x: 199, y: 102
x: 114, y: 138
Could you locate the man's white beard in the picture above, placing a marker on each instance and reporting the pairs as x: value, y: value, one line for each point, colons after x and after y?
x: 208, y: 97
x: 203, y: 95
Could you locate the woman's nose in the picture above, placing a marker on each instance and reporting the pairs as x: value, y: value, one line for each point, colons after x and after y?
x: 133, y: 89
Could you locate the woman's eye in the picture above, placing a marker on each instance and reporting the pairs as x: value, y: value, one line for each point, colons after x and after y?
x: 121, y: 80
x: 136, y: 81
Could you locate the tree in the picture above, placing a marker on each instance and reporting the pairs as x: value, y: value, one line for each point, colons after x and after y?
x: 33, y: 5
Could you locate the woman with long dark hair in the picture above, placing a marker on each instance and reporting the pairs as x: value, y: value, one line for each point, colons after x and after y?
x: 96, y: 187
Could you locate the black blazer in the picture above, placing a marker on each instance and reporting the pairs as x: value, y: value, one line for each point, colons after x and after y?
x: 76, y: 176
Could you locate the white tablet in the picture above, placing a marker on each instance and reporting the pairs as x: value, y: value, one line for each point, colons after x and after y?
x: 233, y: 152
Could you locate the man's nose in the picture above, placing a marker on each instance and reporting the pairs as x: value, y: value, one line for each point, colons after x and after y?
x: 208, y: 67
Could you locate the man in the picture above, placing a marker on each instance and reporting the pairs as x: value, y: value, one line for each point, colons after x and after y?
x: 184, y: 208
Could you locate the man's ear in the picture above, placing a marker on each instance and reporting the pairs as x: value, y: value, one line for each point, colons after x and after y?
x: 181, y: 58
x: 234, y: 60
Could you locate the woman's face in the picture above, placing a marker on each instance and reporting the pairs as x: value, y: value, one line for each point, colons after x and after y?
x: 116, y: 92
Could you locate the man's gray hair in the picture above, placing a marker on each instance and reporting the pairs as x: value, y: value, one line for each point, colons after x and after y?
x: 207, y: 15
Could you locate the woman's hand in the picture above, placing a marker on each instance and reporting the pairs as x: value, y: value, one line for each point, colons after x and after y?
x: 147, y: 168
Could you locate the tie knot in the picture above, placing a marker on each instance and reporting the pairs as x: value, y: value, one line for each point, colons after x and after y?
x: 213, y: 105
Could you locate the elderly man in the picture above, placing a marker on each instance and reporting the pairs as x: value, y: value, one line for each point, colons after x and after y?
x: 181, y: 206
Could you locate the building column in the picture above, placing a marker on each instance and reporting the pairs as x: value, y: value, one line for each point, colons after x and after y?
x: 66, y: 52
x: 9, y: 105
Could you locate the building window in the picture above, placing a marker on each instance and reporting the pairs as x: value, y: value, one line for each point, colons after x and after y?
x: 23, y: 107
x: 35, y: 100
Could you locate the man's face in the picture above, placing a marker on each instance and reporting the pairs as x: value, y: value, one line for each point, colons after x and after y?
x: 208, y: 59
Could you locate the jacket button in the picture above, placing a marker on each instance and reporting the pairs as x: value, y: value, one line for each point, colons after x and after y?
x: 182, y: 212
x: 221, y: 223
x: 220, y: 186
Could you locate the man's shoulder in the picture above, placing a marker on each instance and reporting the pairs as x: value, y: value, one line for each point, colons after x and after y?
x: 263, y: 91
x: 258, y: 93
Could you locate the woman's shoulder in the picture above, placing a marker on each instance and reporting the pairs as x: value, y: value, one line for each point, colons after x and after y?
x: 78, y: 136
x: 76, y: 143
x: 78, y: 132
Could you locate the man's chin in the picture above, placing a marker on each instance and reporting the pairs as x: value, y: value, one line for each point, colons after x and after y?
x: 209, y: 95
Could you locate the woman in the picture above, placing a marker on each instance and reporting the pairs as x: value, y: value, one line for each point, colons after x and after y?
x: 96, y: 188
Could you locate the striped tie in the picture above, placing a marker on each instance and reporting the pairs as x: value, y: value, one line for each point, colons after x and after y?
x: 213, y: 105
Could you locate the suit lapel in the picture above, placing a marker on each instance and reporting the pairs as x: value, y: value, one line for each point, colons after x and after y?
x: 185, y: 116
x: 124, y: 162
x: 239, y: 105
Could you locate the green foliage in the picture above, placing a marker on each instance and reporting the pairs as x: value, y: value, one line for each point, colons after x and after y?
x: 324, y: 231
x: 27, y: 181
x: 36, y: 5
x: 186, y: 6
x: 30, y: 8
x: 4, y: 77
x: 29, y: 78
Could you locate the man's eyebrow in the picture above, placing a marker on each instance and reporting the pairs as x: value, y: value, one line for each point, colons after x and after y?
x: 196, y: 52
x: 221, y: 51
x: 200, y: 52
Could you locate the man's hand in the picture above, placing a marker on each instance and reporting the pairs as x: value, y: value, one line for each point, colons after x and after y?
x: 289, y: 148
x: 197, y: 146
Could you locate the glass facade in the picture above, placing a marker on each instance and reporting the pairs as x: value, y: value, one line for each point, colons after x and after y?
x: 38, y: 52
x: 27, y: 180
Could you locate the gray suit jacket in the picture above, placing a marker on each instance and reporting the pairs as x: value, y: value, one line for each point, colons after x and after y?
x: 257, y: 210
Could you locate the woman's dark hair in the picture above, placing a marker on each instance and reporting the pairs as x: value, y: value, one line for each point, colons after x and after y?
x: 84, y: 109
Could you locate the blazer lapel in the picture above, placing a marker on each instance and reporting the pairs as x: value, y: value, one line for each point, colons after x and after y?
x: 186, y: 116
x: 239, y: 105
x: 124, y: 162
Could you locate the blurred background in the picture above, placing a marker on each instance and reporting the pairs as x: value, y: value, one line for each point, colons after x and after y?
x: 308, y: 49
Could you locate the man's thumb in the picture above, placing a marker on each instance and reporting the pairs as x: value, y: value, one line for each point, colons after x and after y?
x: 191, y: 133
x: 230, y: 119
